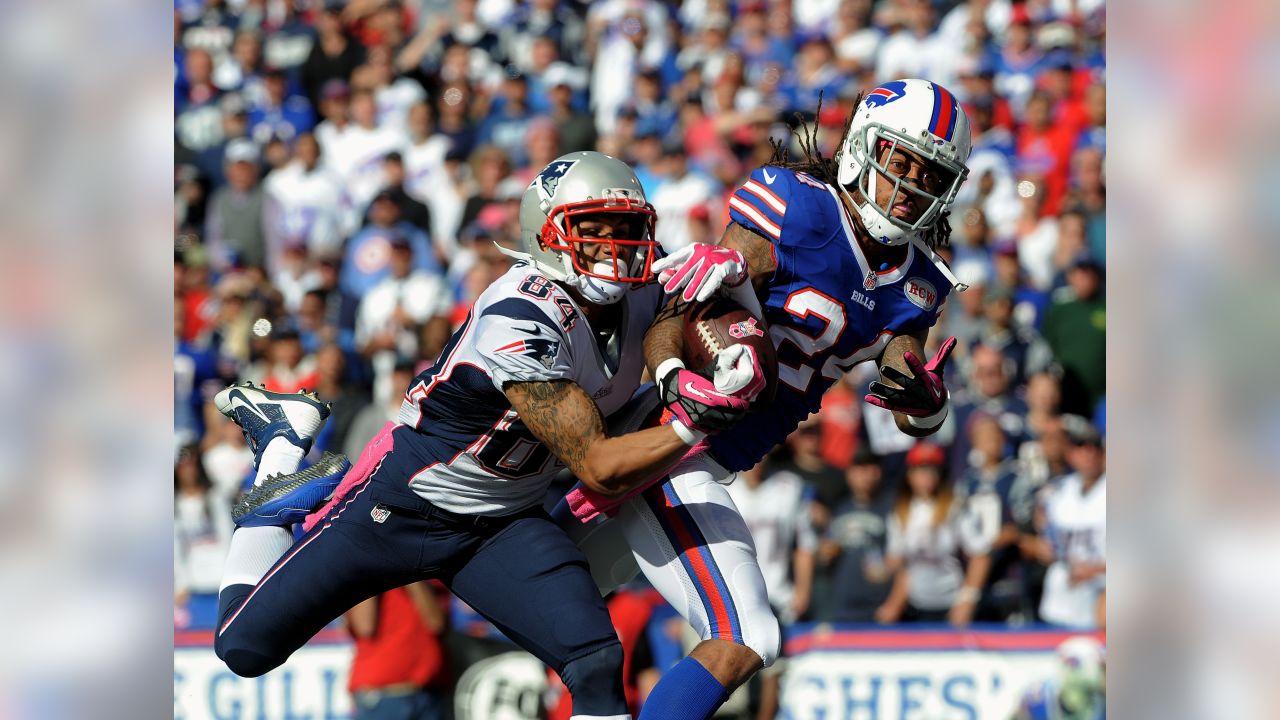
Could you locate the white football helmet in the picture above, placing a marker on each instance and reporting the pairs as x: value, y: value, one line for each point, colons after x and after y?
x: 572, y: 186
x: 1082, y: 676
x: 916, y: 115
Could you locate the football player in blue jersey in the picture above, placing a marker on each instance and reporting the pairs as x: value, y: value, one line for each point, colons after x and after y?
x: 838, y: 257
x: 454, y: 489
x: 1077, y: 691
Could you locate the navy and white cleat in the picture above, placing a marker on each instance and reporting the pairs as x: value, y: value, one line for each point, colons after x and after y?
x: 264, y: 415
x: 288, y: 499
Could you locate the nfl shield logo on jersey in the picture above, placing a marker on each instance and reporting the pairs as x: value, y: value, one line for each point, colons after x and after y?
x: 869, y: 282
x: 379, y: 513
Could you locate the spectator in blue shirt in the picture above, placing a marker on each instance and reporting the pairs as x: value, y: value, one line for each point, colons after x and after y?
x: 280, y: 114
x: 367, y: 260
x: 1029, y: 303
x: 508, y: 119
x: 855, y: 543
x: 990, y: 392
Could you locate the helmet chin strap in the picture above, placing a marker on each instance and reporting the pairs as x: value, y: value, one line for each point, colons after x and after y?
x: 923, y: 247
x: 598, y: 290
x: 915, y: 239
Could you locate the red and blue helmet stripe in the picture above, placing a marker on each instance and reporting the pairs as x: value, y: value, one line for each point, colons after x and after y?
x: 945, y: 113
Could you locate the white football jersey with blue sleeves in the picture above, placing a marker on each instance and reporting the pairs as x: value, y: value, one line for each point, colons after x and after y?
x: 477, y: 456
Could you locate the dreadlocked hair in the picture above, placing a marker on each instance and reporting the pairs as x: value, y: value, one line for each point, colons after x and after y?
x: 826, y: 170
x: 813, y: 163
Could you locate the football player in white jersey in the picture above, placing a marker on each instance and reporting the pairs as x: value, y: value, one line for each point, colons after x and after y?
x: 1074, y: 541
x: 453, y: 490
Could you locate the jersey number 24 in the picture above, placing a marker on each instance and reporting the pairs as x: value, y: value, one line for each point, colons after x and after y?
x: 811, y: 302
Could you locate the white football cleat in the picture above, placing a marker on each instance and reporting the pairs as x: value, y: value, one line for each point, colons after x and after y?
x: 264, y: 415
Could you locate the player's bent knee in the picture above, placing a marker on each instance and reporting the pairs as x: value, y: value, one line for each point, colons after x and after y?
x: 595, y: 682
x: 243, y: 661
x: 765, y: 639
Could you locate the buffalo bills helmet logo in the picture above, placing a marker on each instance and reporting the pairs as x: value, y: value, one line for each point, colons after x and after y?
x: 886, y: 93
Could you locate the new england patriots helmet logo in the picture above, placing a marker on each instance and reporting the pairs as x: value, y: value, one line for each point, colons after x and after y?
x: 549, y: 178
x: 886, y: 93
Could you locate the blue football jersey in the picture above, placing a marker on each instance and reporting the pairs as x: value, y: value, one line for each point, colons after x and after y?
x: 827, y: 309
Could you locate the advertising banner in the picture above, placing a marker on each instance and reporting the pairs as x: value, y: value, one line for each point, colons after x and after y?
x: 913, y: 674
x: 311, y: 685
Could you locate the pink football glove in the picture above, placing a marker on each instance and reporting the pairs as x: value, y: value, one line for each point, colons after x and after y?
x: 701, y: 270
x: 923, y: 395
x: 697, y: 404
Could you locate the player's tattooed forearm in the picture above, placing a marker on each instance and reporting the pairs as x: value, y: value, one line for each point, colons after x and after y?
x: 893, y: 356
x: 675, y: 307
x: 664, y: 340
x: 561, y: 415
x: 757, y: 250
x: 544, y: 392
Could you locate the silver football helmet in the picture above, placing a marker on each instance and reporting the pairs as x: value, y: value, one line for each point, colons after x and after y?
x: 583, y: 184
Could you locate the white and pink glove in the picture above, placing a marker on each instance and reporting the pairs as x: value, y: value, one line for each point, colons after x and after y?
x: 704, y: 405
x: 701, y: 270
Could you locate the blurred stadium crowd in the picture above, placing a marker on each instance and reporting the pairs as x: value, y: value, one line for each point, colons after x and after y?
x: 343, y: 168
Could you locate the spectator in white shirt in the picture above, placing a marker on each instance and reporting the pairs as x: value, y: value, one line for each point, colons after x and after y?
x: 393, y: 312
x: 227, y: 461
x: 359, y: 152
x: 424, y: 171
x: 681, y: 191
x: 335, y: 101
x: 618, y: 57
x: 393, y: 95
x: 913, y: 50
x: 302, y: 201
x: 776, y: 509
x: 925, y: 546
x: 201, y: 529
x: 1073, y: 535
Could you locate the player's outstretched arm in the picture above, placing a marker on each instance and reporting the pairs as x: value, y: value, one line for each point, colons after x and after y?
x: 566, y: 420
x: 914, y: 391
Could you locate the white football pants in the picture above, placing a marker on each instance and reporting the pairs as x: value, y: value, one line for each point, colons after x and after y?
x: 692, y: 544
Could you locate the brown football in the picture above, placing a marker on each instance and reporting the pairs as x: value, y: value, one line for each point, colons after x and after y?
x: 718, y: 323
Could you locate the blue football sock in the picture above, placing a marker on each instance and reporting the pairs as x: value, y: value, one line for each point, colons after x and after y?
x: 687, y: 691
